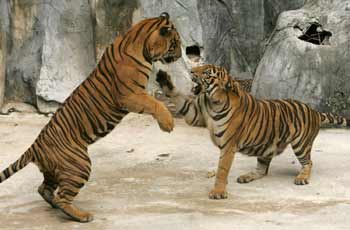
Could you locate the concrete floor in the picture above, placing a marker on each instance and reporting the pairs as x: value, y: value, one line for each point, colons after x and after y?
x: 132, y: 187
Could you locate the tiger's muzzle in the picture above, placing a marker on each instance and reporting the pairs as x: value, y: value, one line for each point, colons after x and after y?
x: 174, y: 53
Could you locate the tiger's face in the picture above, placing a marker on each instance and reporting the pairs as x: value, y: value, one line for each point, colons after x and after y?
x: 164, y: 43
x: 209, y: 78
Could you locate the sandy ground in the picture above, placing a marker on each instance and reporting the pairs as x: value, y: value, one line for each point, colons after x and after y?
x: 145, y: 179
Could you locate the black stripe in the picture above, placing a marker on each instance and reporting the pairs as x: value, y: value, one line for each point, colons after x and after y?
x: 139, y: 85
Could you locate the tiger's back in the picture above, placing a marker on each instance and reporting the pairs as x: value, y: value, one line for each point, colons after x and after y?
x: 268, y: 126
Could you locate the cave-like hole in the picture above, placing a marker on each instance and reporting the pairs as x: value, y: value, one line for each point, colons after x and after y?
x: 193, y: 52
x: 315, y: 34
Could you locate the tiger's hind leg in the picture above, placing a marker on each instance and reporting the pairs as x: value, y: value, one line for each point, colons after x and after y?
x: 71, y: 178
x: 48, y: 188
x: 303, y: 153
x: 262, y: 169
x: 69, y: 187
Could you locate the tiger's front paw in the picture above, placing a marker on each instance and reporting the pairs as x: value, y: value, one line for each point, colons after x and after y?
x: 165, y: 120
x: 218, y: 193
x: 249, y: 177
x: 167, y: 125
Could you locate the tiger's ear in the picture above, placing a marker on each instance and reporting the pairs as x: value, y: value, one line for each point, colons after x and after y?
x: 165, y: 15
x: 165, y: 30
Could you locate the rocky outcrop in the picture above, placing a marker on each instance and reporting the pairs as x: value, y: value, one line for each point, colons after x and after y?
x: 295, y: 66
x: 3, y: 49
x: 109, y: 19
x: 20, y: 27
x: 48, y: 47
x: 67, y: 51
x: 227, y: 33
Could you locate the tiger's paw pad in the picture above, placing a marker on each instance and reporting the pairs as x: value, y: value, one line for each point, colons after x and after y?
x: 166, y: 121
x: 88, y: 217
x: 167, y: 126
x: 301, y: 181
x: 72, y: 211
x: 218, y: 194
x: 82, y: 217
x: 246, y: 178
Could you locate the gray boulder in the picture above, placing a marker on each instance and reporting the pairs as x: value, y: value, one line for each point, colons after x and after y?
x: 316, y: 74
x: 50, y: 49
x: 68, y: 50
x: 22, y: 41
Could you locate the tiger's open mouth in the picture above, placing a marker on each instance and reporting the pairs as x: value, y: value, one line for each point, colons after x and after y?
x: 174, y: 52
x: 168, y: 58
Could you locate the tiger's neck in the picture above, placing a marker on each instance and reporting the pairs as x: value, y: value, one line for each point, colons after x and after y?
x: 130, y: 51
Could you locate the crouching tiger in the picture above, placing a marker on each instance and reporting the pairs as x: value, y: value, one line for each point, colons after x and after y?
x: 115, y: 88
x: 238, y: 122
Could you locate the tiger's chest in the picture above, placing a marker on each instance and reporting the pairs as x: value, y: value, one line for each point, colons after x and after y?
x: 218, y: 133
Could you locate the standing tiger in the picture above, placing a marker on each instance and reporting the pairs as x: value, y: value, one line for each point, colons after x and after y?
x: 238, y: 122
x: 116, y: 87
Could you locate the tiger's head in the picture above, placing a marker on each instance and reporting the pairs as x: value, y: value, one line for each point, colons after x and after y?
x: 212, y: 79
x: 163, y: 41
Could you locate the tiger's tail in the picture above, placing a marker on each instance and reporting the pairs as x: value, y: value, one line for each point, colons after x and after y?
x: 333, y: 120
x: 25, y: 159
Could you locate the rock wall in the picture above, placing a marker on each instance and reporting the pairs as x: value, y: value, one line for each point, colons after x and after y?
x: 48, y: 47
x: 317, y: 74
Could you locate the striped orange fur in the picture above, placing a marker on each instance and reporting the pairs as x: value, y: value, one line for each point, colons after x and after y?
x: 116, y: 87
x: 238, y: 122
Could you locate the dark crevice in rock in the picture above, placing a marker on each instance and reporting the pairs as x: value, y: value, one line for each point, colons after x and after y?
x: 315, y: 34
x: 193, y: 52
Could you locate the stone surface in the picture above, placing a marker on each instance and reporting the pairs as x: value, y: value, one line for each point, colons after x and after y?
x: 235, y: 31
x: 51, y: 46
x: 3, y: 49
x: 20, y: 23
x: 145, y: 179
x: 67, y: 51
x: 110, y: 18
x: 50, y: 49
x: 11, y: 107
x: 316, y: 74
x: 228, y: 33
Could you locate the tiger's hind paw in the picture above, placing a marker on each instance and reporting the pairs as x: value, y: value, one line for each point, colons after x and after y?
x: 249, y: 177
x: 303, y: 177
x: 73, y: 212
x: 301, y: 181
